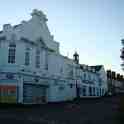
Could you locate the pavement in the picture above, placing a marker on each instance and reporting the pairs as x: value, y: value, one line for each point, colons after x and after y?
x: 105, y: 110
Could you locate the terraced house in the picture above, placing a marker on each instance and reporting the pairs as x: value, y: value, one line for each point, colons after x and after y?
x: 32, y: 70
x: 115, y: 82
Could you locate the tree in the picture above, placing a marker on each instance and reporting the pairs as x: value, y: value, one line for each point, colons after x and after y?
x: 109, y: 74
x: 113, y: 75
x: 118, y: 76
x: 122, y: 54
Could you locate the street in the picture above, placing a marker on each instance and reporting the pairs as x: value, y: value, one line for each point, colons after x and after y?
x: 106, y: 110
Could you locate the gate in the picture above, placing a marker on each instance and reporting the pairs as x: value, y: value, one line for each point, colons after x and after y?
x: 34, y: 94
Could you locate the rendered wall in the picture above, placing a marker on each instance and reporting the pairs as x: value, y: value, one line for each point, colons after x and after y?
x: 61, y: 92
x: 8, y: 94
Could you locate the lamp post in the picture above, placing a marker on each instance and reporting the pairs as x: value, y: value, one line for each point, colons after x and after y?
x: 77, y: 88
x: 76, y: 60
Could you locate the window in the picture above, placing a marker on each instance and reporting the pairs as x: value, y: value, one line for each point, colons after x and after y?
x: 84, y: 90
x: 84, y: 76
x: 100, y: 91
x: 71, y: 85
x: 89, y: 77
x: 37, y: 64
x: 100, y: 81
x: 36, y: 79
x: 11, y: 54
x: 61, y: 88
x: 61, y: 70
x: 27, y: 56
x: 10, y: 76
x: 94, y: 91
x: 94, y: 78
x: 79, y: 90
x: 97, y: 91
x: 46, y: 60
x: 90, y: 91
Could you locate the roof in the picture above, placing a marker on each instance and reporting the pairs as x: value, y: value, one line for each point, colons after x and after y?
x: 97, y: 67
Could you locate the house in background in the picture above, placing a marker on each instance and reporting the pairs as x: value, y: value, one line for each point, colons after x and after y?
x: 32, y: 70
x: 91, y: 81
x: 115, y: 82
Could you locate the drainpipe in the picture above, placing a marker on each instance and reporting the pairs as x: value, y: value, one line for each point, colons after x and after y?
x: 20, y: 89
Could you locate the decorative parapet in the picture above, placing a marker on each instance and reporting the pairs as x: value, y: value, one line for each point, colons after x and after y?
x: 39, y: 14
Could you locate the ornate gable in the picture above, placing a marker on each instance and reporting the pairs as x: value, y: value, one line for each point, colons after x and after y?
x: 41, y: 42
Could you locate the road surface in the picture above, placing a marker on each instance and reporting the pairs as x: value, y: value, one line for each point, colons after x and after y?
x: 106, y: 110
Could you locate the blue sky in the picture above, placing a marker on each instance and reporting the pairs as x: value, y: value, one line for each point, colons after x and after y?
x: 92, y: 27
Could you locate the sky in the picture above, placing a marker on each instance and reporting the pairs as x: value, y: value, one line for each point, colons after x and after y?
x: 93, y: 28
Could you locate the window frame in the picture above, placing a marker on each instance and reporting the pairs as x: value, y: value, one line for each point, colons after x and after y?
x: 12, y: 53
x: 37, y: 58
x: 27, y: 56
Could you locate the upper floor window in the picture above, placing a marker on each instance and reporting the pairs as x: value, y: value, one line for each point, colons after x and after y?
x: 100, y: 81
x: 37, y: 59
x: 94, y: 78
x: 12, y: 52
x: 84, y: 90
x: 89, y: 77
x: 71, y: 85
x: 46, y: 60
x: 27, y: 56
x: 84, y: 76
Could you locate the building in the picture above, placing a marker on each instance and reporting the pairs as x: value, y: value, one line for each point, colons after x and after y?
x: 92, y: 81
x: 115, y: 82
x: 32, y: 70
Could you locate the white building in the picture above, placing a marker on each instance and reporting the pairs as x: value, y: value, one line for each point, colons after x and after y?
x: 91, y: 81
x: 33, y: 71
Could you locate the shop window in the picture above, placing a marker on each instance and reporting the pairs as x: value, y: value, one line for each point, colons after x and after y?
x: 84, y: 91
x: 90, y: 91
x: 61, y: 88
x: 97, y: 91
x: 100, y: 91
x: 71, y: 85
x: 10, y: 76
x: 94, y: 91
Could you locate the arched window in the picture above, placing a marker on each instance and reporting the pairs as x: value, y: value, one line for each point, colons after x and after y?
x: 37, y: 59
x: 12, y: 52
x: 27, y: 56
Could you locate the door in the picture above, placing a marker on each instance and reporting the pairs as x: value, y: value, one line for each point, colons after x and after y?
x: 34, y: 94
